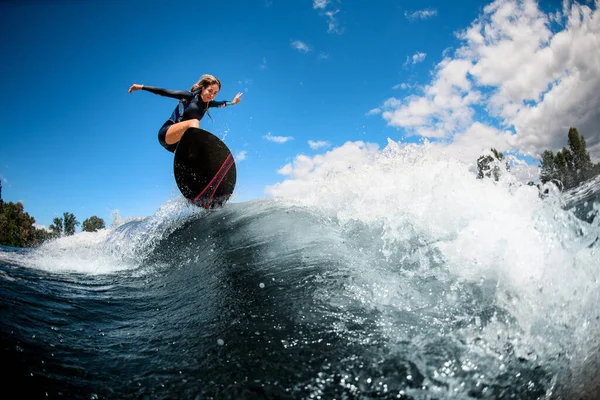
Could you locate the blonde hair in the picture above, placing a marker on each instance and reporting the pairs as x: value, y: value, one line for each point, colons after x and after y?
x: 205, y: 81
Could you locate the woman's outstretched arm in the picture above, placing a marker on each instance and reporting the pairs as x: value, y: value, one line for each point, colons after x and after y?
x: 176, y: 94
x: 222, y: 104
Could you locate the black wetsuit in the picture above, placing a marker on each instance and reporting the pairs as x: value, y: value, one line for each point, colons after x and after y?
x: 191, y: 106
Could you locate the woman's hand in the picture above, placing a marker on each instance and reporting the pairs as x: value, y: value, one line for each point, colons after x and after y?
x: 135, y: 87
x: 236, y: 99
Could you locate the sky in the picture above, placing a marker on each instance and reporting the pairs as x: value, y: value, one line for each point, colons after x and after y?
x: 317, y: 76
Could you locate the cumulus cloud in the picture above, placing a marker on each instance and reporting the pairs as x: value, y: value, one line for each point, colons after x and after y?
x: 301, y: 46
x: 513, y: 68
x: 302, y: 172
x: 420, y: 14
x: 318, y: 144
x: 277, y: 139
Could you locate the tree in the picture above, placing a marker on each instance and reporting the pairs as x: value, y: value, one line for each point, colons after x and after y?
x: 57, y: 226
x: 497, y: 154
x: 582, y: 164
x: 70, y: 222
x: 576, y: 148
x: 570, y: 166
x: 17, y: 227
x: 92, y: 224
x: 548, y: 167
x: 568, y: 176
x: 487, y: 166
x: 64, y: 225
x: 561, y: 166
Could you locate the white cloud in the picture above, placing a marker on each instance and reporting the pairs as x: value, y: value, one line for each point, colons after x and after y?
x: 40, y: 226
x: 415, y: 58
x: 301, y: 46
x: 241, y: 155
x: 475, y: 140
x: 513, y: 67
x: 323, y: 55
x: 318, y: 144
x: 277, y: 139
x: 333, y: 25
x: 304, y: 170
x: 263, y: 64
x: 285, y: 170
x: 403, y: 86
x: 320, y: 4
x: 420, y: 14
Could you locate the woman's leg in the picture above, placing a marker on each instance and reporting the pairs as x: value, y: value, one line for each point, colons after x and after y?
x: 175, y: 131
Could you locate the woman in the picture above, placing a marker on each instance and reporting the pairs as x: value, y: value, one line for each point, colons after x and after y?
x: 191, y: 108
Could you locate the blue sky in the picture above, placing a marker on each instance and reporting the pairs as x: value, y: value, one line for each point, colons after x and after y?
x: 311, y: 72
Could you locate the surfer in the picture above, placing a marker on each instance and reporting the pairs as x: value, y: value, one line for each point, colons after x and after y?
x: 192, y: 107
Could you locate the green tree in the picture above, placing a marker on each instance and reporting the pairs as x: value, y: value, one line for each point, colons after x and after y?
x: 70, y: 222
x: 64, y: 225
x: 487, y: 166
x: 548, y: 167
x: 57, y: 226
x: 576, y: 148
x: 568, y: 177
x: 582, y: 164
x: 92, y: 224
x: 570, y: 166
x: 561, y: 166
x: 17, y: 227
x: 499, y: 156
x: 42, y: 235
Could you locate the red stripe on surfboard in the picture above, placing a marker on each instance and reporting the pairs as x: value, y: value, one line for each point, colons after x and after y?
x: 215, y: 181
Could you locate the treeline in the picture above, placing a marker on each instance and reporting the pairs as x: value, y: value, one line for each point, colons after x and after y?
x: 17, y: 227
x: 570, y: 166
x: 567, y: 168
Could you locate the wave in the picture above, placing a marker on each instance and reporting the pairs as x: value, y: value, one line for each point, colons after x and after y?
x: 397, y: 276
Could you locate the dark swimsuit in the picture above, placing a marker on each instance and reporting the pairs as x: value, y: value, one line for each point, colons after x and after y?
x: 191, y: 106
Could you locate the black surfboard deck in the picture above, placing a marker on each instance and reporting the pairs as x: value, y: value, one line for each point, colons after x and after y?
x: 204, y: 168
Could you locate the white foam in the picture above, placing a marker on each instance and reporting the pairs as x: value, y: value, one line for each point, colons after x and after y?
x: 108, y: 250
x: 547, y: 272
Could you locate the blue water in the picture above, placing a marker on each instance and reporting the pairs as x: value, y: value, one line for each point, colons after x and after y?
x: 450, y: 289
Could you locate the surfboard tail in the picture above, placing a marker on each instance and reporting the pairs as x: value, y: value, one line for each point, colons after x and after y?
x: 206, y: 197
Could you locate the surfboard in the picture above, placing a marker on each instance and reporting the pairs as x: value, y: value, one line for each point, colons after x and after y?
x: 204, y: 169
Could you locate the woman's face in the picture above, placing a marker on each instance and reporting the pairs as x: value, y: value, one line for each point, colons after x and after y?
x: 209, y: 92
